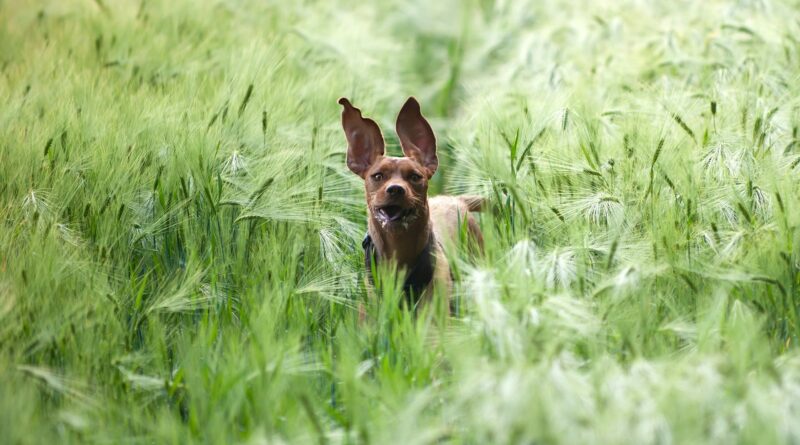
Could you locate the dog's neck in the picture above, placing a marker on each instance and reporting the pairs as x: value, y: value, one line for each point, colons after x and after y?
x: 402, y: 244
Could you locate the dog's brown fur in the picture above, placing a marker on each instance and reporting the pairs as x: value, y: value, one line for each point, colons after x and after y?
x: 401, y: 217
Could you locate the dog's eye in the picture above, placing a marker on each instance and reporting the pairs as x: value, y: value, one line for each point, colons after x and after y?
x: 377, y: 177
x: 415, y: 177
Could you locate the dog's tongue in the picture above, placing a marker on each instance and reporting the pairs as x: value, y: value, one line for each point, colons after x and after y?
x: 392, y: 213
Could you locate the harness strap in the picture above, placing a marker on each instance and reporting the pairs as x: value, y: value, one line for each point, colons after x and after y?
x: 419, y: 276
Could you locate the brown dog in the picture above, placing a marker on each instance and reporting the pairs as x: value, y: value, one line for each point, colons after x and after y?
x: 404, y: 225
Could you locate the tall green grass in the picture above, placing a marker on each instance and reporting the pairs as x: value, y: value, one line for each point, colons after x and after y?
x: 180, y: 241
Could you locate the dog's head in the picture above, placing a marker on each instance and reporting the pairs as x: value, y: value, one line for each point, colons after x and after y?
x: 397, y: 188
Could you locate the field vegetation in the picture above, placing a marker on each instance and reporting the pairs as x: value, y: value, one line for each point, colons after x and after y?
x: 180, y: 255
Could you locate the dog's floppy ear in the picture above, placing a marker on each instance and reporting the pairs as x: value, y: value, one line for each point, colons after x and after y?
x: 416, y: 136
x: 364, y: 140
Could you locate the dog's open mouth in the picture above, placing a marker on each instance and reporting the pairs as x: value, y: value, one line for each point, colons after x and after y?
x: 392, y: 213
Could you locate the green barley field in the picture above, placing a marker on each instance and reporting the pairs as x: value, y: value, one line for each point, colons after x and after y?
x: 180, y: 256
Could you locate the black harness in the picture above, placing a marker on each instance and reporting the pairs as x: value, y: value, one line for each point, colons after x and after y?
x: 419, y: 276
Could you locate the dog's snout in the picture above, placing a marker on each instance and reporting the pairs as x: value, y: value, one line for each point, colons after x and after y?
x: 395, y: 190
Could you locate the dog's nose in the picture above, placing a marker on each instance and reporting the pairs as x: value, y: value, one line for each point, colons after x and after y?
x: 395, y: 190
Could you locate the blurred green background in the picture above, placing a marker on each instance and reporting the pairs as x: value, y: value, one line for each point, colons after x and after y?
x: 180, y: 240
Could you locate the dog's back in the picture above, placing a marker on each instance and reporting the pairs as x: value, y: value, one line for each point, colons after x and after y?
x: 450, y: 213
